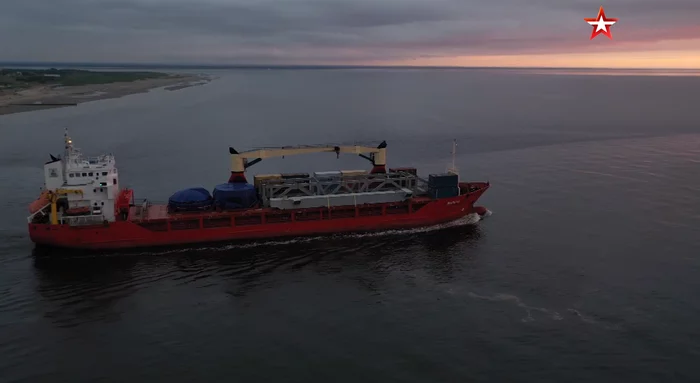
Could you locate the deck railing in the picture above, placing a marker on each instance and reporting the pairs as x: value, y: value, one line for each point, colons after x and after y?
x: 78, y: 220
x: 82, y: 220
x: 40, y: 211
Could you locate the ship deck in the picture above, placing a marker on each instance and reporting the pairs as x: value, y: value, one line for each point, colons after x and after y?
x: 157, y: 212
x: 152, y: 225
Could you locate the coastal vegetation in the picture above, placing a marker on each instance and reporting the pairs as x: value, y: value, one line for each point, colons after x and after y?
x: 25, y: 78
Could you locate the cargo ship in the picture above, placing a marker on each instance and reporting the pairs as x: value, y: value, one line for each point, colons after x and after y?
x: 81, y: 205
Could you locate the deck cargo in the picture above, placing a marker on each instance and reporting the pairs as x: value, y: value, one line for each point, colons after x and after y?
x: 286, y: 176
x: 192, y: 199
x: 350, y: 173
x: 230, y: 196
x: 260, y: 178
x: 333, y: 176
x: 351, y: 199
x: 404, y: 170
x: 328, y: 175
x: 444, y: 192
x: 443, y: 180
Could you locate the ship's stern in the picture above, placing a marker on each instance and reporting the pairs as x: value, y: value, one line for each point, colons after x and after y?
x: 48, y: 235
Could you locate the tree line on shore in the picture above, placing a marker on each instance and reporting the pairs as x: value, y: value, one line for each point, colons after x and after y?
x: 23, y: 78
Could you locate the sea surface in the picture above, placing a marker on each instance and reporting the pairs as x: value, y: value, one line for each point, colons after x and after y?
x: 588, y: 269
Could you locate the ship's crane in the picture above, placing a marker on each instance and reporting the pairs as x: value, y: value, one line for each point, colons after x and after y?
x: 53, y: 198
x: 240, y: 161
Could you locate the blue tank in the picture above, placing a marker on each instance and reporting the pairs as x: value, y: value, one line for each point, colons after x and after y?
x: 190, y: 199
x: 235, y: 195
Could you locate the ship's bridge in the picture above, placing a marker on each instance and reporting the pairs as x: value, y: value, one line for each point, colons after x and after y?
x: 93, y: 182
x: 91, y: 170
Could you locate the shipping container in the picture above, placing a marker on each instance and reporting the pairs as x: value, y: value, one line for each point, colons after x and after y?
x: 447, y: 192
x: 445, y: 180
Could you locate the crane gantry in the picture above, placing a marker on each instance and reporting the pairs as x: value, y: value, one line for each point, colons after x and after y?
x: 240, y: 161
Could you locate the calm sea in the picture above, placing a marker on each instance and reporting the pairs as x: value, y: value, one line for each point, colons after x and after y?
x: 587, y: 270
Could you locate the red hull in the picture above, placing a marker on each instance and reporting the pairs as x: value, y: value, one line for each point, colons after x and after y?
x: 131, y: 233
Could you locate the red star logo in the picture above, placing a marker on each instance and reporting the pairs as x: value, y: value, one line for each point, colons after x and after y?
x: 601, y: 24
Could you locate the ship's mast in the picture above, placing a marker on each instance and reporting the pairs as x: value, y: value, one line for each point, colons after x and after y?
x: 68, y: 144
x: 453, y: 169
x: 67, y: 153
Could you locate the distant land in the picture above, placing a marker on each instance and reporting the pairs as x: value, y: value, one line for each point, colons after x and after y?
x: 176, y: 66
x: 28, y: 88
x: 22, y: 77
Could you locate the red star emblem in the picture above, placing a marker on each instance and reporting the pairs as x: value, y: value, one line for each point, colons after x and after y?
x: 601, y: 24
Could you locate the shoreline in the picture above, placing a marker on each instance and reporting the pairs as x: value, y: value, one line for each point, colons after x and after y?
x: 39, y: 95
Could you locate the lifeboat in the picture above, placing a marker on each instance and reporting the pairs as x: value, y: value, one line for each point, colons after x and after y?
x: 77, y: 211
x: 40, y: 202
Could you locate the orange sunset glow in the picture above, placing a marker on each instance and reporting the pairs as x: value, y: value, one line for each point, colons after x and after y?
x: 675, y: 51
x: 497, y: 33
x: 632, y: 60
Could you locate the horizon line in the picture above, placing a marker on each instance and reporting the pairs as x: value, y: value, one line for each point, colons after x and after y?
x: 301, y: 66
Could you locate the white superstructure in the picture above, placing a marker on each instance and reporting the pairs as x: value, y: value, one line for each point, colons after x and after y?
x: 95, y: 177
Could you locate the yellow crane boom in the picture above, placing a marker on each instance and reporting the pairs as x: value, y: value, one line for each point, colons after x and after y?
x: 240, y: 161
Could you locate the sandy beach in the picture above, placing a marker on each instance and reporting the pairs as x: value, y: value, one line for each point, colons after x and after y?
x: 70, y: 95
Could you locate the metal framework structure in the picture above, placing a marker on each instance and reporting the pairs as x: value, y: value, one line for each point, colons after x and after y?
x: 297, y: 187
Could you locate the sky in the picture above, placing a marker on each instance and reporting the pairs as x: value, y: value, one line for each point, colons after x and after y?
x: 539, y: 33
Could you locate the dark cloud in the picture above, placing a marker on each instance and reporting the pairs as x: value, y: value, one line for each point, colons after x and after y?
x: 331, y: 31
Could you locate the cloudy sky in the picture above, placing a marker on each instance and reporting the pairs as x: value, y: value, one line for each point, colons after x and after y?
x: 649, y: 33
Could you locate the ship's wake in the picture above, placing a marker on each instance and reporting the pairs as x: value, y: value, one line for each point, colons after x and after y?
x: 530, y: 310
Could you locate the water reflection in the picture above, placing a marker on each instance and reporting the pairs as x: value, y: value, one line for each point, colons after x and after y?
x: 608, y: 72
x: 80, y: 289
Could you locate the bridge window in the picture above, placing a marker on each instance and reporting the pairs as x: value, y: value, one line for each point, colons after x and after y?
x: 90, y: 174
x: 70, y: 175
x: 84, y: 174
x: 104, y: 173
